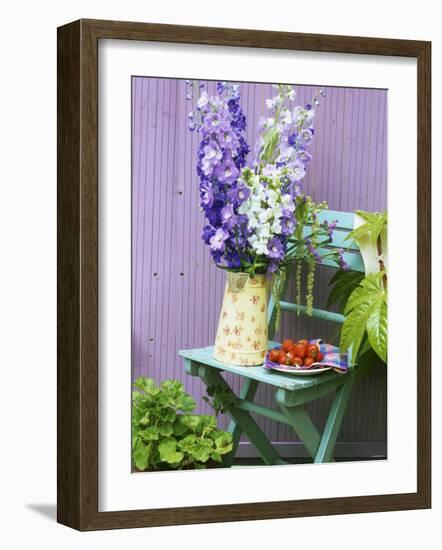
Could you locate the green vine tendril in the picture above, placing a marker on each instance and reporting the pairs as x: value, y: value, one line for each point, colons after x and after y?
x: 277, y: 290
x: 310, y: 285
x: 298, y: 284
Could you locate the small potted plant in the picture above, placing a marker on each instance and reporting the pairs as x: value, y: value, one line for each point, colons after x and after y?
x: 166, y: 435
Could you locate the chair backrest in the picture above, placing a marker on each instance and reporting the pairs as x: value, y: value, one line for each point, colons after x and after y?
x: 345, y: 224
x: 352, y: 255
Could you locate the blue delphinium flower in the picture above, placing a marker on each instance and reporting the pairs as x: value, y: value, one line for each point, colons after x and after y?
x: 342, y: 263
x: 275, y: 249
x: 313, y: 251
x: 208, y: 232
x: 250, y: 206
x: 221, y: 156
x: 218, y: 239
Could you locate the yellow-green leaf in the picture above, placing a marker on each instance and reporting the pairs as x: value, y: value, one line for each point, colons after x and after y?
x: 377, y: 330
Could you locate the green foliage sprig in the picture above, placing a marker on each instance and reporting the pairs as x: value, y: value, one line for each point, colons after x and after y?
x: 308, y: 245
x: 310, y: 287
x: 165, y: 433
x: 219, y: 399
x: 343, y: 283
x: 278, y: 285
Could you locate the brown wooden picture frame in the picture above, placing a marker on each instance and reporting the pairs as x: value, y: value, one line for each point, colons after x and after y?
x: 77, y: 225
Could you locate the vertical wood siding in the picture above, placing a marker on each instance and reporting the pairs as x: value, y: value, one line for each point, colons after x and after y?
x: 177, y: 290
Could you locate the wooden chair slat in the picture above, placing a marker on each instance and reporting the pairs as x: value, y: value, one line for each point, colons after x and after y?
x: 353, y: 259
x: 339, y: 239
x: 318, y: 313
x: 345, y: 219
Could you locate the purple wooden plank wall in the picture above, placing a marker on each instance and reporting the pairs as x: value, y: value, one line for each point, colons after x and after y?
x: 177, y: 290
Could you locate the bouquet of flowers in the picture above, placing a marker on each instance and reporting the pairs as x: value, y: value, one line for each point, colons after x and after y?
x: 254, y: 204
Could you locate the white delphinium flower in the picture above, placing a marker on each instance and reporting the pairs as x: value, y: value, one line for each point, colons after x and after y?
x: 264, y: 208
x: 277, y: 211
x: 270, y: 171
x: 298, y: 170
x: 265, y: 123
x: 272, y: 197
x: 285, y: 117
x: 258, y: 194
x: 253, y: 221
x: 263, y: 232
x: 265, y: 215
x: 291, y: 94
x: 259, y: 245
x: 287, y: 202
x: 300, y: 115
x: 274, y: 102
x: 287, y: 154
x: 276, y: 227
x: 203, y: 100
x: 254, y: 206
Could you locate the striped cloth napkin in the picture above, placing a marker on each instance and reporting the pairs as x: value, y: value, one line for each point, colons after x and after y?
x: 332, y: 358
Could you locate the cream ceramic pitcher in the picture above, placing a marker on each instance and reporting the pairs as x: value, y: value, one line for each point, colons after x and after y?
x: 241, y: 338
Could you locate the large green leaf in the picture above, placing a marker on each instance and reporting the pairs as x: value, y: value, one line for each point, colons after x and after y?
x: 369, y: 290
x: 377, y: 330
x: 224, y: 443
x: 179, y: 428
x: 192, y: 421
x: 375, y: 224
x: 165, y: 428
x: 366, y: 302
x: 150, y: 434
x: 270, y: 141
x: 354, y: 325
x: 344, y: 282
x: 147, y: 385
x: 187, y: 443
x: 216, y: 456
x: 207, y: 422
x: 198, y: 448
x: 187, y: 404
x: 202, y: 450
x: 168, y: 452
x: 365, y: 347
x: 141, y: 454
x: 359, y: 296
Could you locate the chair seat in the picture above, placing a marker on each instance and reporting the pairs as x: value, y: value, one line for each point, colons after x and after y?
x: 291, y: 382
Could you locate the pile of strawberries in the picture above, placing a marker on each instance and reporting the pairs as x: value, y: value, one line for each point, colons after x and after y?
x: 296, y: 354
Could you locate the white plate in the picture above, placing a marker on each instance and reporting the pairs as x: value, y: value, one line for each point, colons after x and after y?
x: 302, y: 372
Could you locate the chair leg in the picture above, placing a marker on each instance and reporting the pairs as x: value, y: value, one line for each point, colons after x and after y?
x: 248, y: 392
x: 301, y: 423
x: 243, y: 419
x: 334, y: 422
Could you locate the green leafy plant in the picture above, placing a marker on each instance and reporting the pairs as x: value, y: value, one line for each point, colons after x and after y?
x: 165, y: 433
x: 343, y: 283
x: 219, y: 398
x: 363, y: 298
x: 366, y: 313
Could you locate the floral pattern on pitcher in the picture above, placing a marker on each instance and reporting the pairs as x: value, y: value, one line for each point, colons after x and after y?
x: 242, y: 328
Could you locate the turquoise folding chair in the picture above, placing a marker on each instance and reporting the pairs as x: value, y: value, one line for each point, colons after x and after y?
x: 292, y: 392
